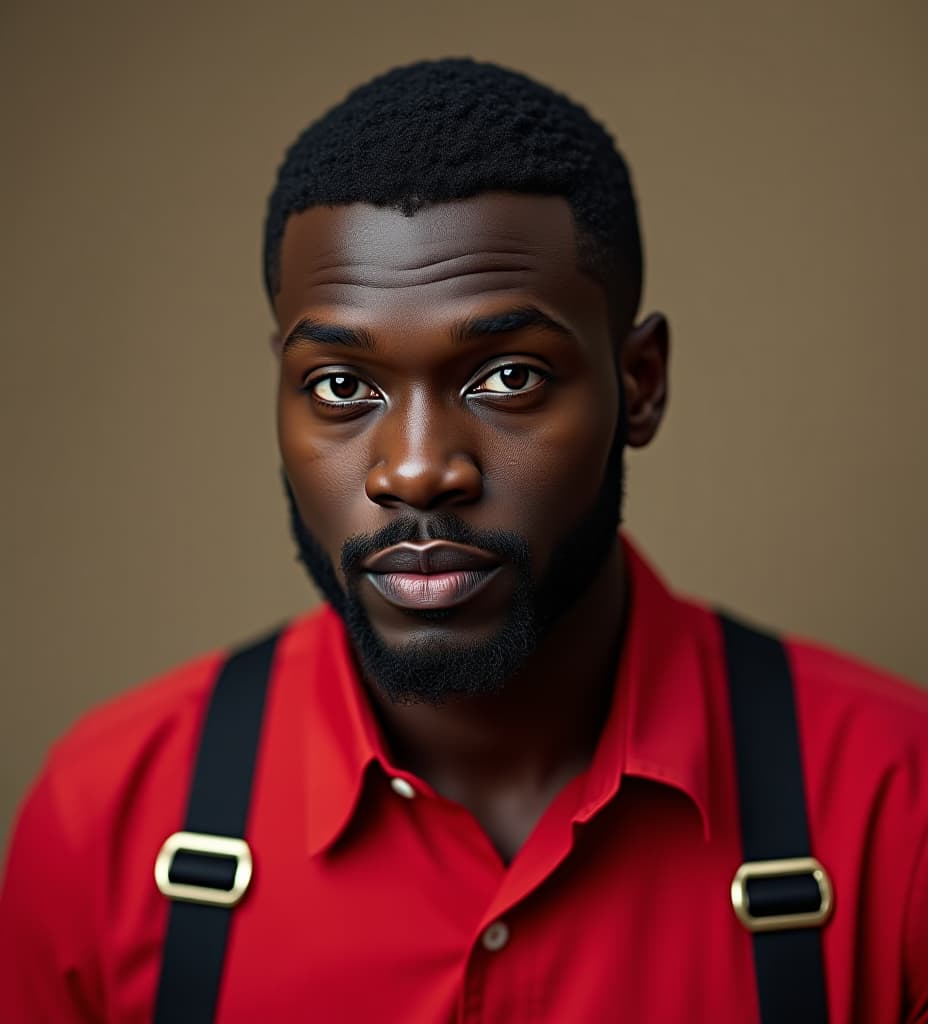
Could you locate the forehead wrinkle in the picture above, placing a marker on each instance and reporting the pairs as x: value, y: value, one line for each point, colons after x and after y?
x: 490, y: 259
x: 486, y: 257
x: 383, y: 282
x: 388, y: 273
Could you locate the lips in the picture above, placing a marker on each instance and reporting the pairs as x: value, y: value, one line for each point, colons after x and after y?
x: 431, y: 576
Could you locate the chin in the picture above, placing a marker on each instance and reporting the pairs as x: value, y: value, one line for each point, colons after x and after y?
x: 428, y: 657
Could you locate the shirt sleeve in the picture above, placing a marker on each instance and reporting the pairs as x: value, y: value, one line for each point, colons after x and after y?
x: 916, y: 941
x: 48, y: 959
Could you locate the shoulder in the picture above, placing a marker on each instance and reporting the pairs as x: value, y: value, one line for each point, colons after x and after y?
x: 864, y: 734
x: 77, y: 900
x: 139, y: 716
x: 863, y: 739
x: 112, y: 788
x: 101, y: 761
x: 852, y: 700
x: 865, y: 754
x: 132, y: 755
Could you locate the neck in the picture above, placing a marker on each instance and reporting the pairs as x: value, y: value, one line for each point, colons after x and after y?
x: 542, y: 727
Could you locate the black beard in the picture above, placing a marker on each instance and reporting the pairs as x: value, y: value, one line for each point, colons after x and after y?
x: 432, y: 670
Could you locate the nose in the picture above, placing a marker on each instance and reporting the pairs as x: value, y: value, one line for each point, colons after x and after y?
x: 422, y: 461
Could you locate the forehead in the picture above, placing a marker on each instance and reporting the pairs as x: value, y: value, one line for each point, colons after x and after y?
x: 359, y: 255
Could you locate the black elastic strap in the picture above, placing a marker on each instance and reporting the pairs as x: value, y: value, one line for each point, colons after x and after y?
x: 218, y: 805
x: 789, y: 965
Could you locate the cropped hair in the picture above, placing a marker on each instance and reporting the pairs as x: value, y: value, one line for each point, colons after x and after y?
x: 450, y: 129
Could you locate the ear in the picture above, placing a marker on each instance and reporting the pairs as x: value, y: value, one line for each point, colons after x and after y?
x: 276, y: 343
x: 643, y: 362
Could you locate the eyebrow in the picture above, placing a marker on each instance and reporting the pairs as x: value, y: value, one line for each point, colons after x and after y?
x: 503, y: 323
x: 309, y: 329
x: 469, y: 329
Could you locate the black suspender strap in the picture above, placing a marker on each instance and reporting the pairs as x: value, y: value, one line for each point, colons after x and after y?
x: 781, y: 894
x: 205, y: 869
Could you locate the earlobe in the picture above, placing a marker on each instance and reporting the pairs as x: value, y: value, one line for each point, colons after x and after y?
x: 644, y: 361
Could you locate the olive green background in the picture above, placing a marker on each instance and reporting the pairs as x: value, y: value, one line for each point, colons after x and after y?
x: 781, y: 158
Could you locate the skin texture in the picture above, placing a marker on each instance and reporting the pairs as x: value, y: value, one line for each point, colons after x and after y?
x: 435, y: 430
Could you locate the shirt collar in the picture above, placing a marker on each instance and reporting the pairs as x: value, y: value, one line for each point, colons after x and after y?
x: 342, y: 738
x: 657, y: 728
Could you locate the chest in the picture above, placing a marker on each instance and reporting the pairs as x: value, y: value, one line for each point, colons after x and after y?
x: 415, y: 918
x: 435, y: 929
x: 411, y: 915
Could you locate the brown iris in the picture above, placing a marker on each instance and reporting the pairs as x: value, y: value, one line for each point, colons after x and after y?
x: 343, y: 385
x: 514, y: 377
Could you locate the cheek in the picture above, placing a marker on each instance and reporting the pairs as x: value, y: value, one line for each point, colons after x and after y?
x: 550, y: 476
x: 327, y: 476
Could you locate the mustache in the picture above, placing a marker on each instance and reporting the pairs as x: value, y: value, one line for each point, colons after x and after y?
x: 507, y: 544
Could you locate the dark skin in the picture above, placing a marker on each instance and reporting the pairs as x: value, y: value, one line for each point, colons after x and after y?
x: 509, y: 430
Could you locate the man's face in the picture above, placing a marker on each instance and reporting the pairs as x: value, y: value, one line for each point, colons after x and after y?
x: 448, y: 417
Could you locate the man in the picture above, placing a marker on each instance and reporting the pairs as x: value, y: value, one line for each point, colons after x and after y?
x: 497, y: 776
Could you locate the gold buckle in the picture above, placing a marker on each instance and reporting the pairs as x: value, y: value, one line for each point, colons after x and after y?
x: 198, y: 842
x: 778, y: 868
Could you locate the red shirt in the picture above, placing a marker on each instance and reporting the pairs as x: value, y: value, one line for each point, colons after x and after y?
x: 371, y: 904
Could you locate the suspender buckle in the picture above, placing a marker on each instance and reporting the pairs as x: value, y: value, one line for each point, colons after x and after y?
x: 782, y: 895
x: 194, y: 867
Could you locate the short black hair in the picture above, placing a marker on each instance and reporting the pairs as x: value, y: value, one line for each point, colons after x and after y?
x: 449, y: 129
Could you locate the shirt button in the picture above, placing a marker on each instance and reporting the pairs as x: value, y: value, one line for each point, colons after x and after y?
x: 403, y: 788
x: 496, y: 936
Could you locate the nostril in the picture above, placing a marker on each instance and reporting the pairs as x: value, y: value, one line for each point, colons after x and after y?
x: 453, y: 497
x: 425, y: 483
x: 385, y: 498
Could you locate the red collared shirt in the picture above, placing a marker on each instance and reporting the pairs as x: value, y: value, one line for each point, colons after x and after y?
x: 375, y: 899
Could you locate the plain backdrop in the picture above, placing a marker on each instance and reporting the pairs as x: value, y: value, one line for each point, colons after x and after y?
x: 781, y: 158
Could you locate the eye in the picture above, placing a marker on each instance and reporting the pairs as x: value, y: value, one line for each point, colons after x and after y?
x: 341, y: 389
x: 516, y: 378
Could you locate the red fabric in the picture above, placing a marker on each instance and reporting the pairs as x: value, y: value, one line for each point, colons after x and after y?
x: 368, y: 906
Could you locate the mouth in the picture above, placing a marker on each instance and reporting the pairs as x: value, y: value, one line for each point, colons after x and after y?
x: 433, y: 576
